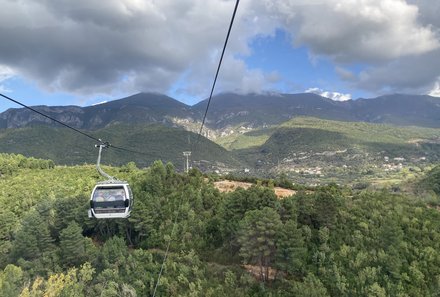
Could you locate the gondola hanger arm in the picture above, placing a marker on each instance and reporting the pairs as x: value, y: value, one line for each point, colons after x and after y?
x: 98, y: 163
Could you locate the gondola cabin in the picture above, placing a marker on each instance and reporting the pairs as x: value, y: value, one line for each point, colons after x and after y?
x: 111, y: 200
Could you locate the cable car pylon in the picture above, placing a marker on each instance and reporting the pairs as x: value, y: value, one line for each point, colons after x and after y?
x: 187, y: 155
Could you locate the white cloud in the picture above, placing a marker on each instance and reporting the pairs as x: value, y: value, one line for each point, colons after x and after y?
x: 414, y: 74
x: 88, y: 47
x: 3, y: 89
x: 435, y: 91
x: 336, y: 96
x: 359, y: 30
x: 102, y: 47
x: 396, y: 41
x: 102, y: 102
x: 5, y: 74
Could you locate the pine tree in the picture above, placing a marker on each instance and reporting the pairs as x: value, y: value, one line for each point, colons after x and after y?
x: 291, y: 251
x: 8, y: 222
x: 310, y: 287
x: 33, y: 239
x: 72, y: 245
x: 11, y: 280
x: 257, y: 238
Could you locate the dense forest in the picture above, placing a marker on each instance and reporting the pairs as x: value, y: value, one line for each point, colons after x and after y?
x: 326, y: 241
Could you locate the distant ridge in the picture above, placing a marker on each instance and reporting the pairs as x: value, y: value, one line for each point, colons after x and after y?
x: 399, y: 109
x: 139, y: 108
x: 261, y: 132
x: 230, y: 110
x: 257, y: 109
x: 260, y: 109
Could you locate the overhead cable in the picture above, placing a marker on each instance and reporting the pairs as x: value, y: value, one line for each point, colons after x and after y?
x: 165, y: 257
x: 51, y: 118
x: 72, y: 128
x: 218, y: 70
x: 198, y: 138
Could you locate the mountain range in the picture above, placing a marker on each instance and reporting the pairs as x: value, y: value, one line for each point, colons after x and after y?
x: 260, y: 131
x: 229, y: 110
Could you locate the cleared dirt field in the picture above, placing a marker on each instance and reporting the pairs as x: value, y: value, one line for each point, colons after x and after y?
x: 230, y: 186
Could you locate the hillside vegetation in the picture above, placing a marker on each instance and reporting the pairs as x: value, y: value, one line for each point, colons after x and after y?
x: 328, y: 242
x: 357, y: 132
x: 309, y: 150
x: 431, y: 181
x: 154, y: 142
x: 335, y: 149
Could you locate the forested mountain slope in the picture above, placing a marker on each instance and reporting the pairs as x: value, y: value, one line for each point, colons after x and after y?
x: 154, y: 142
x: 305, y: 141
x: 327, y: 242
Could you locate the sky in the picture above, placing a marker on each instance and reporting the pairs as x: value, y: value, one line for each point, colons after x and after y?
x: 85, y: 52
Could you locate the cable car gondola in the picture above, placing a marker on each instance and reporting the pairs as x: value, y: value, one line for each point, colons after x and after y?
x: 112, y: 198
